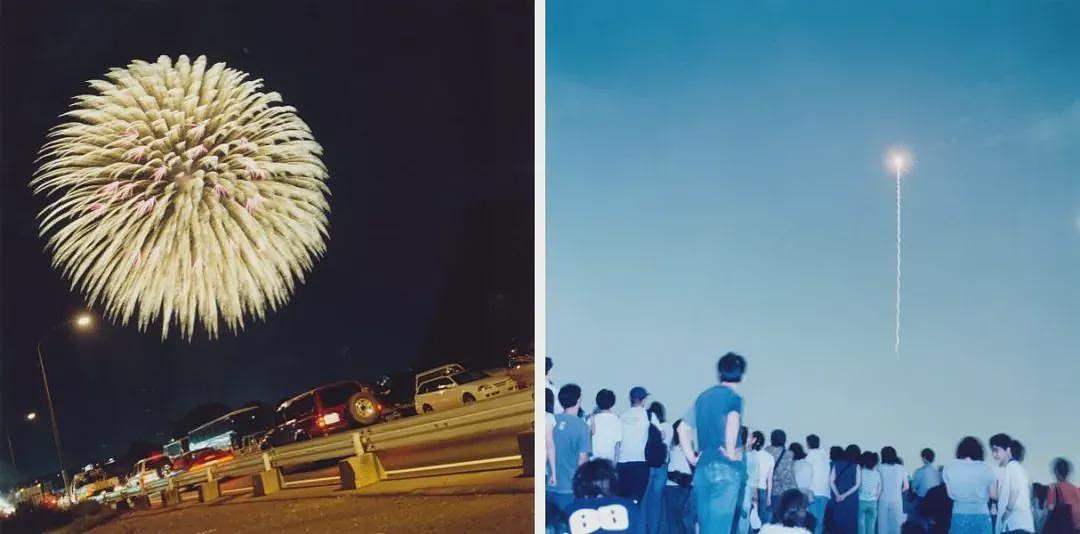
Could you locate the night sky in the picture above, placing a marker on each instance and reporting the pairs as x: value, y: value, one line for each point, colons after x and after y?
x: 424, y: 111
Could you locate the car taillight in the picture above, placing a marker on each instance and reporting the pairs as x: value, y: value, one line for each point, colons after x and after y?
x: 329, y: 419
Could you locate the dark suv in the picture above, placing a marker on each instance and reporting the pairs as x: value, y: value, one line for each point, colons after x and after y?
x: 325, y: 410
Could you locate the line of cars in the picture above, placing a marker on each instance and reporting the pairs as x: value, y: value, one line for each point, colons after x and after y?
x: 320, y: 411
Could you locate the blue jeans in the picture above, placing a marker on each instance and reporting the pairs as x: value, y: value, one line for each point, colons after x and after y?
x: 744, y: 509
x: 764, y: 511
x: 717, y: 488
x: 868, y: 511
x: 654, y: 492
x: 817, y: 509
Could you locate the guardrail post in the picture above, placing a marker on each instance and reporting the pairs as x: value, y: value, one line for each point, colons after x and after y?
x: 527, y: 448
x: 142, y: 501
x: 361, y: 470
x: 209, y: 490
x: 170, y: 496
x: 268, y: 480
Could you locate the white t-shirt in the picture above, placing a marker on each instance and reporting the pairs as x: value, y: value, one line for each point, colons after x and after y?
x: 765, y: 465
x: 1014, y: 499
x: 677, y: 463
x: 607, y: 430
x: 635, y: 432
x: 819, y: 461
x: 804, y: 474
x: 781, y: 529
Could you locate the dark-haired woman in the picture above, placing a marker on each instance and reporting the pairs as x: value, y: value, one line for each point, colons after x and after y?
x: 968, y: 480
x: 844, y: 481
x: 1060, y: 494
x: 677, y: 509
x: 790, y: 515
x: 894, y: 482
x: 869, y: 492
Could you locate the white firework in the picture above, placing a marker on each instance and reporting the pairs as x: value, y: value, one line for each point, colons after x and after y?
x: 183, y: 194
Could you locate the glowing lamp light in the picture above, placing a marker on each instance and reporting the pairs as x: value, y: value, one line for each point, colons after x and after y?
x: 31, y: 416
x: 84, y: 320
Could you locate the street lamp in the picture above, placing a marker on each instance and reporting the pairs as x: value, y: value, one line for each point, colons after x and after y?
x: 82, y: 322
x: 31, y: 416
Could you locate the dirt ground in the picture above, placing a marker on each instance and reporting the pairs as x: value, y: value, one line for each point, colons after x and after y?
x: 509, y: 513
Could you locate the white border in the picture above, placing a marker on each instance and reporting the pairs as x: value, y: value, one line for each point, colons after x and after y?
x: 539, y: 257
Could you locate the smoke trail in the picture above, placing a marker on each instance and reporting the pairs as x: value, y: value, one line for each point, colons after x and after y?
x: 898, y: 242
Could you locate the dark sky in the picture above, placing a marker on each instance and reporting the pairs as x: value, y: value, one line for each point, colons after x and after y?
x: 424, y: 110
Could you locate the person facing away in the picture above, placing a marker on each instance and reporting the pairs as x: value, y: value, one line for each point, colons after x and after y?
x: 819, y: 482
x: 804, y: 472
x: 549, y: 435
x: 1013, y: 491
x: 869, y: 492
x: 654, y: 489
x: 749, y: 489
x: 784, y: 470
x: 677, y: 511
x: 927, y: 476
x: 717, y: 415
x: 791, y: 515
x: 894, y: 483
x: 923, y: 480
x: 844, y: 481
x: 968, y: 482
x: 764, y: 463
x: 1061, y: 494
x: 572, y: 446
x: 606, y: 428
x: 595, y: 507
x: 631, y: 466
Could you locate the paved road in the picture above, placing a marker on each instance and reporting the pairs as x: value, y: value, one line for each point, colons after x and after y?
x: 490, y: 501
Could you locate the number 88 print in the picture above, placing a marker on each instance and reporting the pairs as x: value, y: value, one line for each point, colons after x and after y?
x: 609, y: 518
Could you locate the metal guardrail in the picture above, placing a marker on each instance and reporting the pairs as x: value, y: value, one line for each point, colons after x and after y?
x: 501, y: 415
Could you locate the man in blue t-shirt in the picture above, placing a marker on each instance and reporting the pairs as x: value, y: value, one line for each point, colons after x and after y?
x: 721, y: 471
x: 573, y: 444
x: 596, y: 508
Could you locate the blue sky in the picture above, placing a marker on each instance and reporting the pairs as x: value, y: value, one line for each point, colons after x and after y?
x: 715, y: 182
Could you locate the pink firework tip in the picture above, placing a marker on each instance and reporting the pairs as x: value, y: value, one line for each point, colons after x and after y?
x: 253, y: 204
x: 195, y: 152
x: 97, y: 208
x: 253, y: 170
x: 126, y: 190
x: 197, y: 130
x: 247, y: 145
x: 111, y: 187
x: 221, y: 190
x: 159, y: 173
x: 135, y: 154
x: 143, y: 206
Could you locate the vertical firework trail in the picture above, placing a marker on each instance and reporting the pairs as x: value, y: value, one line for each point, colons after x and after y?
x: 899, y: 160
x: 898, y: 206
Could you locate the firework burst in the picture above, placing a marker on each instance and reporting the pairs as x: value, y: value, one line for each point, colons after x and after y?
x: 182, y: 193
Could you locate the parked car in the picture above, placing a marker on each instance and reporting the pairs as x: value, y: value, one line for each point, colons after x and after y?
x: 197, y: 460
x: 325, y: 410
x: 93, y: 480
x: 451, y: 385
x: 149, y: 469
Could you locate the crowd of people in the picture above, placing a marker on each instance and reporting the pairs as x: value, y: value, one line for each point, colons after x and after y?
x: 706, y: 473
